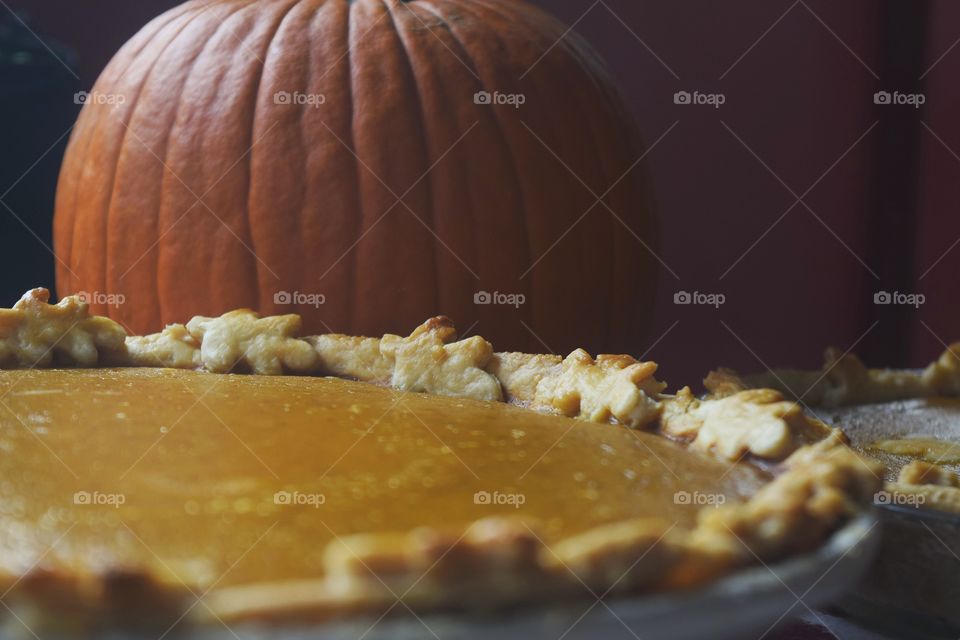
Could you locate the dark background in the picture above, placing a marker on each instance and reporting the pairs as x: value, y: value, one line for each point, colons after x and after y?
x: 798, y: 199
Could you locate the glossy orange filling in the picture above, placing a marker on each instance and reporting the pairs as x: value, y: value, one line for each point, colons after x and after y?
x: 220, y: 479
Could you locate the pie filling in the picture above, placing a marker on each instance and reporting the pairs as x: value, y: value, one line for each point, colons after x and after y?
x: 926, y: 449
x: 205, y: 479
x: 905, y: 419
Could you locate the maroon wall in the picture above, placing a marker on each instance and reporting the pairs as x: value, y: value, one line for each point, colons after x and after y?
x: 938, y: 241
x: 798, y: 99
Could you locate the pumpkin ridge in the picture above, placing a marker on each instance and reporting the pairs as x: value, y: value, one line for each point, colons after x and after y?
x: 351, y: 98
x: 268, y: 45
x: 347, y: 314
x: 65, y: 272
x: 315, y: 7
x: 576, y: 47
x: 550, y: 128
x: 97, y: 124
x: 446, y: 24
x: 579, y: 53
x: 402, y: 34
x: 131, y: 114
x: 516, y: 173
x: 482, y: 11
x: 631, y: 143
x: 166, y: 149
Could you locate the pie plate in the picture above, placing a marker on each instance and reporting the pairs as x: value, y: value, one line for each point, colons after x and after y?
x: 751, y: 601
x: 912, y: 586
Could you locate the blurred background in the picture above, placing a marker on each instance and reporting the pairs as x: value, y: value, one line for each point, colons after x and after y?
x: 822, y: 172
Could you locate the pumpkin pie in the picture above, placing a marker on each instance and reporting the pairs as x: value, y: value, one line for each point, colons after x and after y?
x: 232, y: 469
x: 907, y: 419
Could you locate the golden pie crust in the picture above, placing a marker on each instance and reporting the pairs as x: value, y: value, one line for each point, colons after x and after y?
x: 640, y: 491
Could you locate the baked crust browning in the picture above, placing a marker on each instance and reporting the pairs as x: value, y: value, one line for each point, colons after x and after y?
x: 610, y: 387
x: 845, y: 380
x: 174, y: 348
x: 824, y: 483
x: 929, y: 485
x: 754, y: 421
x: 920, y: 472
x: 35, y: 333
x: 352, y: 357
x: 267, y: 346
x: 429, y: 360
x: 943, y: 374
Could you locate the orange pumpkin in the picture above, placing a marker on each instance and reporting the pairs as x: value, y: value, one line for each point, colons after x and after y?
x: 338, y: 159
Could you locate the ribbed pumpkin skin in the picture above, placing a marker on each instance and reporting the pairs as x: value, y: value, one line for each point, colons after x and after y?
x: 287, y: 206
